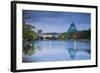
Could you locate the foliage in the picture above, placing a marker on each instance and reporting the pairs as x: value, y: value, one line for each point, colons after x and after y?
x: 28, y: 32
x: 73, y: 33
x: 85, y: 34
x: 62, y: 36
x: 29, y: 35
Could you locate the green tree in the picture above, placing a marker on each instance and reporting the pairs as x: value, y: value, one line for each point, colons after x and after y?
x: 62, y: 36
x: 28, y: 33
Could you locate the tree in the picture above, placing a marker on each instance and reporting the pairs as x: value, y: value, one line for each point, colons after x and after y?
x: 28, y: 37
x: 62, y: 36
x: 28, y: 33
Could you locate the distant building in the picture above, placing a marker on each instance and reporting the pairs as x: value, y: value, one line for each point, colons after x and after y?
x: 71, y: 33
x: 50, y: 35
x: 72, y: 28
x: 40, y: 33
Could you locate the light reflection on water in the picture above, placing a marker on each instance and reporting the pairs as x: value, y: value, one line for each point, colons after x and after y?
x: 53, y: 50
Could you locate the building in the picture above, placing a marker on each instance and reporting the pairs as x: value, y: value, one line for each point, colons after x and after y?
x: 40, y: 33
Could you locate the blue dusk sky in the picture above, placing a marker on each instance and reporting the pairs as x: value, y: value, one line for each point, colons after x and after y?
x: 50, y: 21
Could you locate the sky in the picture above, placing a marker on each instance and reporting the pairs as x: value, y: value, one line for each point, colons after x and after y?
x: 51, y: 21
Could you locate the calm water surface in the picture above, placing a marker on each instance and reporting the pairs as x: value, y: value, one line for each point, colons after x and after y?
x: 53, y: 50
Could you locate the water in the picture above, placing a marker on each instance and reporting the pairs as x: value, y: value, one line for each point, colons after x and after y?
x: 55, y: 50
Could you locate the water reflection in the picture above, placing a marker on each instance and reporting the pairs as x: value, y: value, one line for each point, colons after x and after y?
x: 72, y: 52
x: 56, y: 51
x: 28, y: 48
